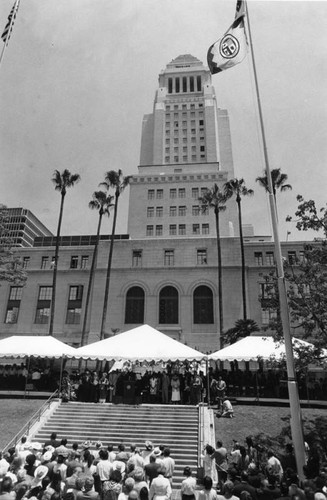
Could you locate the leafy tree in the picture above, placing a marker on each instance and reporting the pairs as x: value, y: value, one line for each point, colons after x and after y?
x: 113, y: 179
x: 306, y: 280
x: 243, y: 328
x: 237, y: 188
x: 214, y: 198
x: 11, y: 268
x: 102, y: 202
x: 62, y: 181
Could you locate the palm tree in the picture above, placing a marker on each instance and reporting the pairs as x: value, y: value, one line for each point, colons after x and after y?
x: 101, y: 202
x: 214, y: 198
x: 113, y: 179
x: 238, y: 188
x: 62, y: 182
x: 278, y: 180
x: 242, y: 328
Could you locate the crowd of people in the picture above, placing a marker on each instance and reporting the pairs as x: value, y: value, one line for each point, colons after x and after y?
x: 185, y: 384
x: 58, y: 470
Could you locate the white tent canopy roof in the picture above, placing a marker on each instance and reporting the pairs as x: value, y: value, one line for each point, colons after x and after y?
x: 21, y: 346
x: 143, y: 343
x: 252, y: 348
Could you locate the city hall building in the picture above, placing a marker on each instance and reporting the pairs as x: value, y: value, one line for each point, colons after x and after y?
x: 164, y: 271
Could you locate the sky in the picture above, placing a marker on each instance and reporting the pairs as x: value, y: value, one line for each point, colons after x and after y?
x: 78, y: 76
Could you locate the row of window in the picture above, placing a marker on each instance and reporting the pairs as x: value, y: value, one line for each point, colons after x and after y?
x: 292, y: 258
x: 169, y: 257
x: 42, y: 314
x: 174, y: 210
x: 184, y: 84
x: 184, y: 107
x: 174, y: 193
x: 134, y: 305
x: 196, y: 229
x: 76, y: 262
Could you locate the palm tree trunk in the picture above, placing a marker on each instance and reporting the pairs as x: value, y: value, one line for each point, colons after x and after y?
x: 55, y: 266
x: 220, y: 290
x: 106, y: 293
x: 242, y: 257
x: 84, y: 338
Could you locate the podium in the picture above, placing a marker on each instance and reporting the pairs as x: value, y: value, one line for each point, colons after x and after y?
x: 129, y: 392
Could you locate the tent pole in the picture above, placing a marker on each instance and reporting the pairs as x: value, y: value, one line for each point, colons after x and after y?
x: 60, y: 378
x: 208, y: 383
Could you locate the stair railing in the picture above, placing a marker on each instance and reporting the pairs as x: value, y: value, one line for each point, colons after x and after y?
x: 200, y: 435
x: 35, y: 418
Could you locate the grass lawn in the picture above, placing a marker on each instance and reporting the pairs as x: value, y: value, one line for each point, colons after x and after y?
x: 14, y: 414
x: 252, y: 420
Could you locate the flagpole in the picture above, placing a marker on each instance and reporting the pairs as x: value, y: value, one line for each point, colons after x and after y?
x: 13, y: 17
x: 296, y: 418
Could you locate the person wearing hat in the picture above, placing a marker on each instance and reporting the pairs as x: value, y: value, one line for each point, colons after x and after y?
x: 188, y: 486
x: 36, y: 485
x: 147, y: 452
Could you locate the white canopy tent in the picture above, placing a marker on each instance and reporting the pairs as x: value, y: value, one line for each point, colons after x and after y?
x: 254, y: 348
x: 143, y: 343
x: 24, y: 346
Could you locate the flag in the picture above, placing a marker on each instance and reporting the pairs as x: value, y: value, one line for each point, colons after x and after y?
x: 9, y: 26
x: 231, y: 49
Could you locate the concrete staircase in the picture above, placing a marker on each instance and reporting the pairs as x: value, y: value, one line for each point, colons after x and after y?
x: 174, y: 426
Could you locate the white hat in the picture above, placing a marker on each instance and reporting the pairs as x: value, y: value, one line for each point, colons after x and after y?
x: 40, y: 472
x: 47, y: 456
x: 36, y: 446
x: 118, y: 465
x: 156, y: 452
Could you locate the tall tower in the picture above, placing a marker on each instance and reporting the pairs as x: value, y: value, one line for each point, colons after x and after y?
x: 185, y: 149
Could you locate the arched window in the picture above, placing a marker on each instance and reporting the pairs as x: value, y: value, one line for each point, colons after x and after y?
x: 134, y: 311
x: 203, y: 305
x: 168, y: 306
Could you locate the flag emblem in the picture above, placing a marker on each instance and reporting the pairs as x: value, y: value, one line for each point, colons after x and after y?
x: 231, y: 49
x: 229, y: 46
x: 9, y: 26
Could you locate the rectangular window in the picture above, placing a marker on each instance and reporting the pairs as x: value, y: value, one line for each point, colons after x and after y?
x: 195, y: 193
x: 172, y: 211
x: 159, y: 211
x: 172, y: 193
x: 198, y: 83
x: 265, y: 290
x: 159, y: 230
x: 191, y: 83
x: 181, y: 193
x: 291, y: 255
x: 13, y: 304
x: 177, y: 87
x: 267, y: 314
x: 43, y: 305
x: 137, y: 258
x: 195, y: 228
x: 26, y: 262
x: 159, y: 194
x: 84, y: 261
x: 270, y: 259
x: 74, y: 306
x: 182, y: 211
x: 45, y: 263
x: 201, y: 257
x: 74, y: 262
x: 150, y: 212
x: 205, y: 228
x: 195, y: 210
x: 169, y: 257
x: 184, y: 84
x: 149, y: 230
x: 170, y: 86
x: 150, y: 194
x: 258, y: 259
x: 205, y: 210
x: 182, y: 229
x: 172, y: 230
x: 203, y: 191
